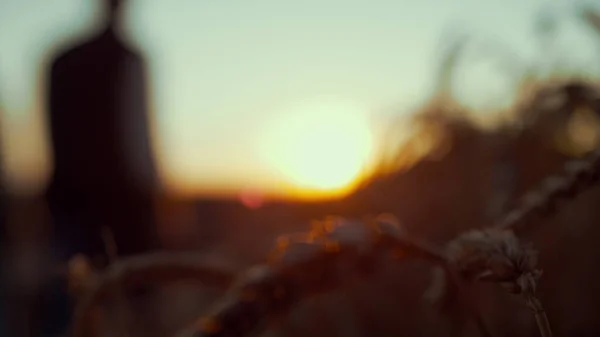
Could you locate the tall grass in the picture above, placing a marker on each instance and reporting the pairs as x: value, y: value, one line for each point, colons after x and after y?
x: 337, y: 251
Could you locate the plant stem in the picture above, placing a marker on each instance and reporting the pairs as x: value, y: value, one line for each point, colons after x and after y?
x: 540, y: 316
x: 152, y: 268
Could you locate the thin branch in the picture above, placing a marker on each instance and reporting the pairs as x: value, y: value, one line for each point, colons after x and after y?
x: 158, y: 268
x: 580, y: 175
x: 540, y: 316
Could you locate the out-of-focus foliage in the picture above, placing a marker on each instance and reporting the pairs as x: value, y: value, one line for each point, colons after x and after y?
x: 458, y: 170
x: 537, y: 106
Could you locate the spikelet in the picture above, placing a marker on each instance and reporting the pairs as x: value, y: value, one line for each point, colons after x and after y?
x: 579, y: 175
x: 489, y: 255
x: 493, y: 255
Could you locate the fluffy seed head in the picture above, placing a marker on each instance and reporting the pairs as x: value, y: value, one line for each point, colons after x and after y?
x: 495, y: 255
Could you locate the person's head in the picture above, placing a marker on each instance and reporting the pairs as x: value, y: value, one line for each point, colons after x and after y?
x: 113, y: 9
x: 114, y: 5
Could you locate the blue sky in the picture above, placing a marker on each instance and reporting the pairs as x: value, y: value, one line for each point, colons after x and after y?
x: 221, y: 70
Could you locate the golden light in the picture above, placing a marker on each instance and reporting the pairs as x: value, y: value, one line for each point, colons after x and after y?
x: 320, y: 148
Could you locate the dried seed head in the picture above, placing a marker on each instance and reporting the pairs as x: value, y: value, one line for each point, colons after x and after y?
x: 296, y: 252
x: 349, y: 233
x: 388, y: 225
x: 495, y: 255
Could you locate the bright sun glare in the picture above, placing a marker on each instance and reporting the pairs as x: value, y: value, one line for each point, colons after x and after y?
x: 320, y: 147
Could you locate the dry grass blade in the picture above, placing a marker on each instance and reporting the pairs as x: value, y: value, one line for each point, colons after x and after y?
x: 580, y: 175
x: 528, y: 284
x: 152, y: 268
x: 303, y: 266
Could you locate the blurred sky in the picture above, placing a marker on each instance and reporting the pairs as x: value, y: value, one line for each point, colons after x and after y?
x: 221, y: 70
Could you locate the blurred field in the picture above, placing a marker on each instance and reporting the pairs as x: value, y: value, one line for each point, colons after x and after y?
x: 457, y: 172
x: 436, y: 198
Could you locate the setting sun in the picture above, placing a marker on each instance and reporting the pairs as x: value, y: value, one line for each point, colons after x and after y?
x: 320, y: 147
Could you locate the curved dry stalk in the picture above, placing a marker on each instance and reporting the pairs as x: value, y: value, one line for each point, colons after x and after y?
x: 143, y: 269
x: 527, y: 284
x: 540, y: 316
x: 307, y: 264
x: 580, y: 175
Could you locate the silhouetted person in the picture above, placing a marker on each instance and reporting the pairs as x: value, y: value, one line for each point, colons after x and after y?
x: 103, y: 167
x: 104, y: 173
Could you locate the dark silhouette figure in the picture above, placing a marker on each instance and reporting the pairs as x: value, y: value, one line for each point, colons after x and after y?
x: 104, y: 175
x: 103, y: 167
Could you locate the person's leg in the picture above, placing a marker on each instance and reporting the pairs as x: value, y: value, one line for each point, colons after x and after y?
x: 137, y: 234
x: 73, y: 234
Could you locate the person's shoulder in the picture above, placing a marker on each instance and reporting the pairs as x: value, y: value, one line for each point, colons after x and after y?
x: 71, y: 53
